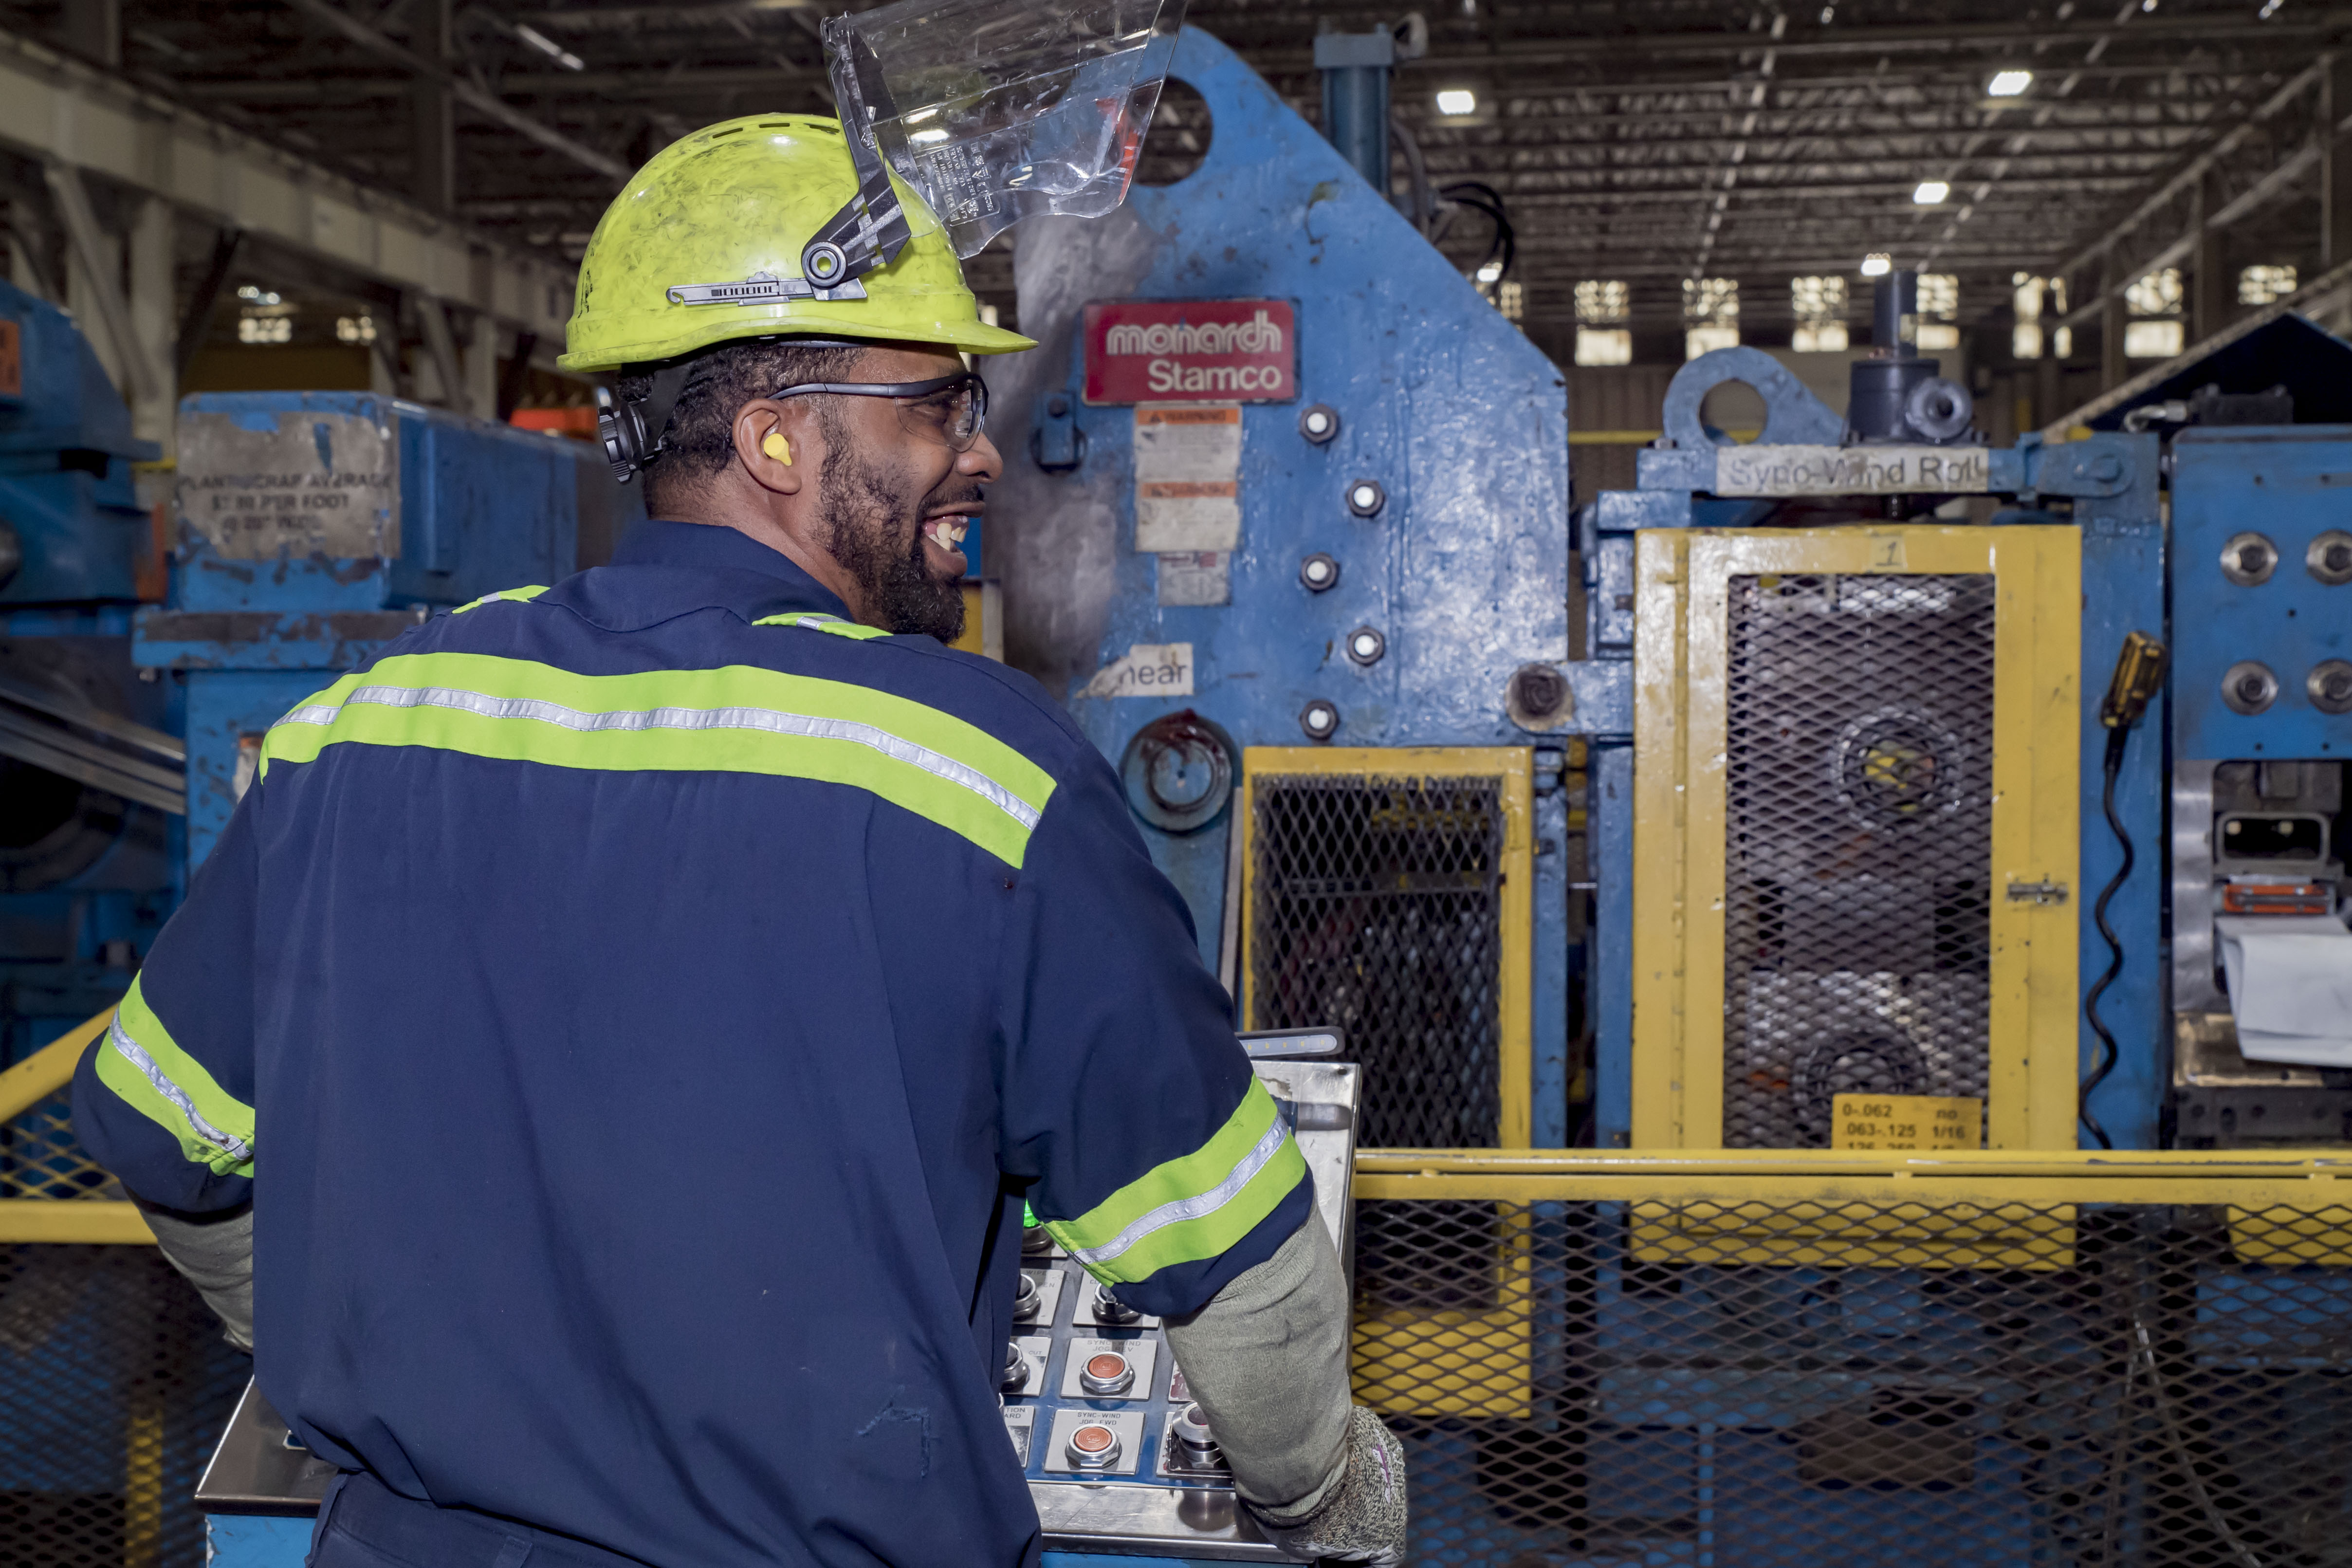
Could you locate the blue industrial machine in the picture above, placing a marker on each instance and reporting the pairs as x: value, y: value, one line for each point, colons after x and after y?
x: 89, y: 837
x: 1873, y: 744
x: 1340, y: 588
x: 1288, y: 522
x: 316, y: 527
x: 312, y: 529
x: 1893, y: 845
x: 2261, y: 744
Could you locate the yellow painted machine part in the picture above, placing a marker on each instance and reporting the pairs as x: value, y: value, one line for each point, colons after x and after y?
x: 1978, y: 1209
x: 983, y: 611
x: 1681, y: 689
x: 48, y: 1069
x: 39, y: 1076
x: 1514, y: 768
x: 1455, y: 1362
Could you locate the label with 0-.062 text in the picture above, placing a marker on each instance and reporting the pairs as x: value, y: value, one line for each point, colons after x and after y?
x: 1907, y: 1121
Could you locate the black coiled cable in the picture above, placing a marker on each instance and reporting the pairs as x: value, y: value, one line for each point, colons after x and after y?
x: 2109, y: 1052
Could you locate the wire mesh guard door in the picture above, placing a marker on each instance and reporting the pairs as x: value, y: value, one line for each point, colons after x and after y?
x: 1858, y: 846
x: 2164, y: 1386
x: 1384, y: 904
x: 1857, y: 823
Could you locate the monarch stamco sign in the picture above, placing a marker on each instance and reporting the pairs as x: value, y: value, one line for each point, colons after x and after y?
x: 1191, y: 351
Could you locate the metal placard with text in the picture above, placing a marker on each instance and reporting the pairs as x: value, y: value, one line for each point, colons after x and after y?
x: 1191, y: 351
x: 1758, y: 471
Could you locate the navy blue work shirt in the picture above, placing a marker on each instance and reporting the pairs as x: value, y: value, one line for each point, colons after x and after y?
x: 637, y: 1009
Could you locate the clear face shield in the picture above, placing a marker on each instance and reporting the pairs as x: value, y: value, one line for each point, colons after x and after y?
x: 995, y: 109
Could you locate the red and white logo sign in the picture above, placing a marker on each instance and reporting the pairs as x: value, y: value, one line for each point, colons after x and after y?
x: 1191, y: 351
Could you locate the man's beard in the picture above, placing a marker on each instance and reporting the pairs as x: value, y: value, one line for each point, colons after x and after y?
x: 863, y: 516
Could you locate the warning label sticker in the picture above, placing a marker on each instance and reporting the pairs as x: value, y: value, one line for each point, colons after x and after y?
x: 1188, y: 464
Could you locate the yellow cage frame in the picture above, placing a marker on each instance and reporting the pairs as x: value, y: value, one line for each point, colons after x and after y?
x: 1497, y: 1342
x: 1682, y: 649
x: 1514, y: 769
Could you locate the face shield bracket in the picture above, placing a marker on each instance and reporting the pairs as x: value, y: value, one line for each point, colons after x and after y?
x: 871, y: 228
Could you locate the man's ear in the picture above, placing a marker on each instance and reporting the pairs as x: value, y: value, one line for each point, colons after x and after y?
x: 777, y: 444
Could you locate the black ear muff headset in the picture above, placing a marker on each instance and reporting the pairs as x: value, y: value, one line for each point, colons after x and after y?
x: 632, y: 430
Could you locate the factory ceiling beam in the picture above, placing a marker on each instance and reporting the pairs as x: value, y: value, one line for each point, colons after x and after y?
x: 2004, y: 39
x: 2197, y: 168
x: 55, y: 108
x: 102, y: 270
x: 1763, y: 191
x: 639, y: 18
x: 690, y: 81
x: 432, y: 109
x: 466, y: 92
x: 196, y: 321
x: 2281, y: 179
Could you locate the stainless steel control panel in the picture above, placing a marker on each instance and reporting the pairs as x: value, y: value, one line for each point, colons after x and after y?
x: 1095, y: 1406
x: 1118, y: 1459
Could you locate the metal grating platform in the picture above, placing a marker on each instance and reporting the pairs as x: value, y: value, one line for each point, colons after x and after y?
x: 1858, y: 845
x: 114, y: 1385
x: 2158, y: 1385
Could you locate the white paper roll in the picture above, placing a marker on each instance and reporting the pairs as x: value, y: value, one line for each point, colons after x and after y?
x: 2289, y: 987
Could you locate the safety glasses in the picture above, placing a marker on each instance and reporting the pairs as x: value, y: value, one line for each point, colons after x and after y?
x: 952, y: 410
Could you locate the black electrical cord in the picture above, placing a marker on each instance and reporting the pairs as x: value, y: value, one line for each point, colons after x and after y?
x: 2109, y: 1052
x: 1484, y: 199
x: 2140, y: 676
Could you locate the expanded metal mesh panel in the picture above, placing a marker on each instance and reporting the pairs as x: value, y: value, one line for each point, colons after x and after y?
x: 1376, y: 908
x: 1858, y: 846
x: 39, y: 1157
x: 1668, y: 1382
x: 114, y: 1381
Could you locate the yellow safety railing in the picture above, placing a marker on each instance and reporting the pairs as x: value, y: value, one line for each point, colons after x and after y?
x: 2314, y: 1179
x: 40, y: 1077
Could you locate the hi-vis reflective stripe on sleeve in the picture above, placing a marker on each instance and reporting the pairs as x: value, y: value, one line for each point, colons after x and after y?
x: 818, y: 621
x: 518, y: 595
x: 738, y: 718
x: 147, y: 1070
x: 1193, y: 1208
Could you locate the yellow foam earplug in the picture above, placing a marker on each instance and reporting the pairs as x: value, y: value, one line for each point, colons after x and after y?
x: 776, y: 447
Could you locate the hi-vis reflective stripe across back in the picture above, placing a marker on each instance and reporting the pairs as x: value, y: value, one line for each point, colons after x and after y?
x: 738, y: 718
x: 818, y: 621
x: 147, y: 1070
x: 1192, y: 1208
x: 512, y: 596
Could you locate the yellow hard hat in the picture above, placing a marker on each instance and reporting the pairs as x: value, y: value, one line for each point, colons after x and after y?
x: 716, y: 238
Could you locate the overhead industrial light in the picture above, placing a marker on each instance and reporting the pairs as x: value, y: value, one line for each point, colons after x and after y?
x: 2008, y: 84
x: 928, y: 136
x: 1877, y: 264
x: 1457, y: 100
x: 1930, y: 192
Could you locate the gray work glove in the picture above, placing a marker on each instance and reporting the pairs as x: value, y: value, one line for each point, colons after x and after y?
x: 1267, y: 1364
x: 1362, y: 1519
x: 216, y: 1257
